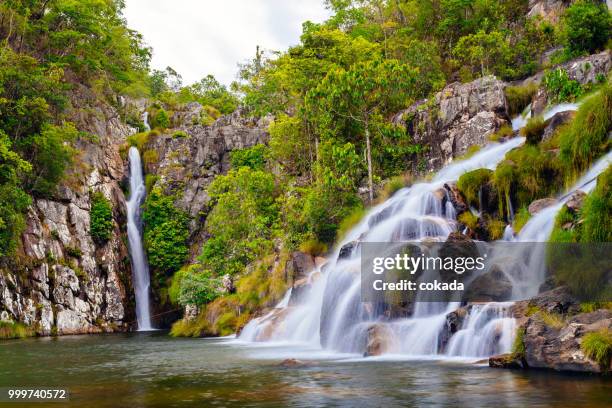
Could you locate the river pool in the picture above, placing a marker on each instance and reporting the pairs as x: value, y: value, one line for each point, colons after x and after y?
x: 155, y: 370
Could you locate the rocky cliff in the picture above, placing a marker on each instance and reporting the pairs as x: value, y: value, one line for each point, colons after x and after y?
x: 61, y: 281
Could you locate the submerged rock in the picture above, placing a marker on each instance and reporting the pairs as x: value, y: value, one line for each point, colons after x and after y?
x: 295, y: 363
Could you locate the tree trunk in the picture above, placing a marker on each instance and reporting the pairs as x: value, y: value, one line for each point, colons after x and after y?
x: 369, y: 157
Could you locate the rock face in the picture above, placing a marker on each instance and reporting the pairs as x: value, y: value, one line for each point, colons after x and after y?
x: 459, y: 116
x: 558, y: 348
x: 187, y: 165
x: 555, y: 122
x: 548, y: 10
x: 61, y: 281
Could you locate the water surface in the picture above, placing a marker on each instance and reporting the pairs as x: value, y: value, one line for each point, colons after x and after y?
x: 154, y: 370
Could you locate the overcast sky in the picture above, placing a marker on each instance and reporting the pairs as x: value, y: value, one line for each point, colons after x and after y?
x: 200, y: 37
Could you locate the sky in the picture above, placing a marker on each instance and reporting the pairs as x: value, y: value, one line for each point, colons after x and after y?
x: 201, y: 37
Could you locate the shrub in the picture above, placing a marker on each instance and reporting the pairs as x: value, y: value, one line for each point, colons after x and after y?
x: 150, y: 180
x: 519, y: 97
x: 179, y: 134
x: 74, y: 252
x: 534, y: 129
x: 586, y: 26
x: 194, y: 286
x: 598, y: 347
x: 100, y: 218
x: 560, y: 87
x: 161, y: 119
x: 252, y: 157
x: 472, y: 182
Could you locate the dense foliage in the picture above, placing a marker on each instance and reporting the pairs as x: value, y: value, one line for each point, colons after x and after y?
x: 101, y: 218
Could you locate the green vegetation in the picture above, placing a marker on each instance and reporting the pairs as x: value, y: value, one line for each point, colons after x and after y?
x: 12, y: 330
x: 519, y: 97
x: 598, y: 347
x: 165, y: 234
x: 472, y: 182
x: 518, y: 347
x: 586, y: 27
x: 253, y: 158
x: 100, y: 218
x: 469, y: 220
x: 521, y: 218
x: 560, y: 87
x: 587, y: 137
x: 534, y: 130
x: 596, y: 212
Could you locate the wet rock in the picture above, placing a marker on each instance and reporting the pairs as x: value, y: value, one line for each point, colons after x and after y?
x: 558, y: 301
x: 559, y: 119
x: 295, y: 363
x: 454, y: 322
x: 538, y: 205
x: 227, y: 283
x: 380, y: 340
x: 457, y: 245
x: 506, y: 361
x: 302, y: 264
x: 575, y: 201
x: 493, y: 286
x: 347, y: 250
x: 456, y: 198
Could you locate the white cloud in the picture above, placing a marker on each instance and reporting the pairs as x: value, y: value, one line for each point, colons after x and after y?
x: 200, y: 37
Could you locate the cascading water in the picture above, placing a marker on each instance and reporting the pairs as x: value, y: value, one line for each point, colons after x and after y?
x: 331, y: 314
x: 140, y: 268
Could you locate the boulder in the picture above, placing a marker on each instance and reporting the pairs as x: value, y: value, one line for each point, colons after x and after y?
x: 493, y: 286
x: 558, y: 348
x: 549, y: 10
x: 380, y: 340
x: 301, y: 264
x: 456, y: 198
x: 559, y: 119
x: 538, y: 205
x: 347, y: 250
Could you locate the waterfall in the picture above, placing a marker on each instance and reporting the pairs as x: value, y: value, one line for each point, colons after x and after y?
x: 331, y: 314
x: 140, y: 268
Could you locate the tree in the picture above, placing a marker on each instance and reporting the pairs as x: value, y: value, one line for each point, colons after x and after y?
x: 350, y: 98
x: 587, y: 26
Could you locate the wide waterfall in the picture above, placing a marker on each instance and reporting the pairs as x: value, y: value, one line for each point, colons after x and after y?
x: 140, y: 268
x: 332, y: 315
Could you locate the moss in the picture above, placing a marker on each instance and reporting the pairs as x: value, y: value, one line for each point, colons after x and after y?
x: 73, y: 252
x: 393, y: 185
x: 520, y: 219
x: 12, y: 330
x: 471, y: 151
x: 587, y: 137
x: 553, y: 320
x: 495, y: 228
x: 598, y: 347
x: 518, y: 346
x: 313, y: 247
x: 139, y: 140
x: 503, y: 132
x: 190, y: 328
x: 588, y: 307
x: 472, y: 182
x: 596, y: 213
x: 534, y: 130
x: 469, y: 220
x: 150, y: 180
x: 150, y: 158
x: 179, y: 134
x: 519, y: 97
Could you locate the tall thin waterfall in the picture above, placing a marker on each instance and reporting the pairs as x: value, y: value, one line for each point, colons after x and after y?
x: 331, y: 314
x: 140, y: 268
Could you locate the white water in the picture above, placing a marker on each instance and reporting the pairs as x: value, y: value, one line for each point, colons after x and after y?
x: 140, y: 268
x: 332, y: 315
